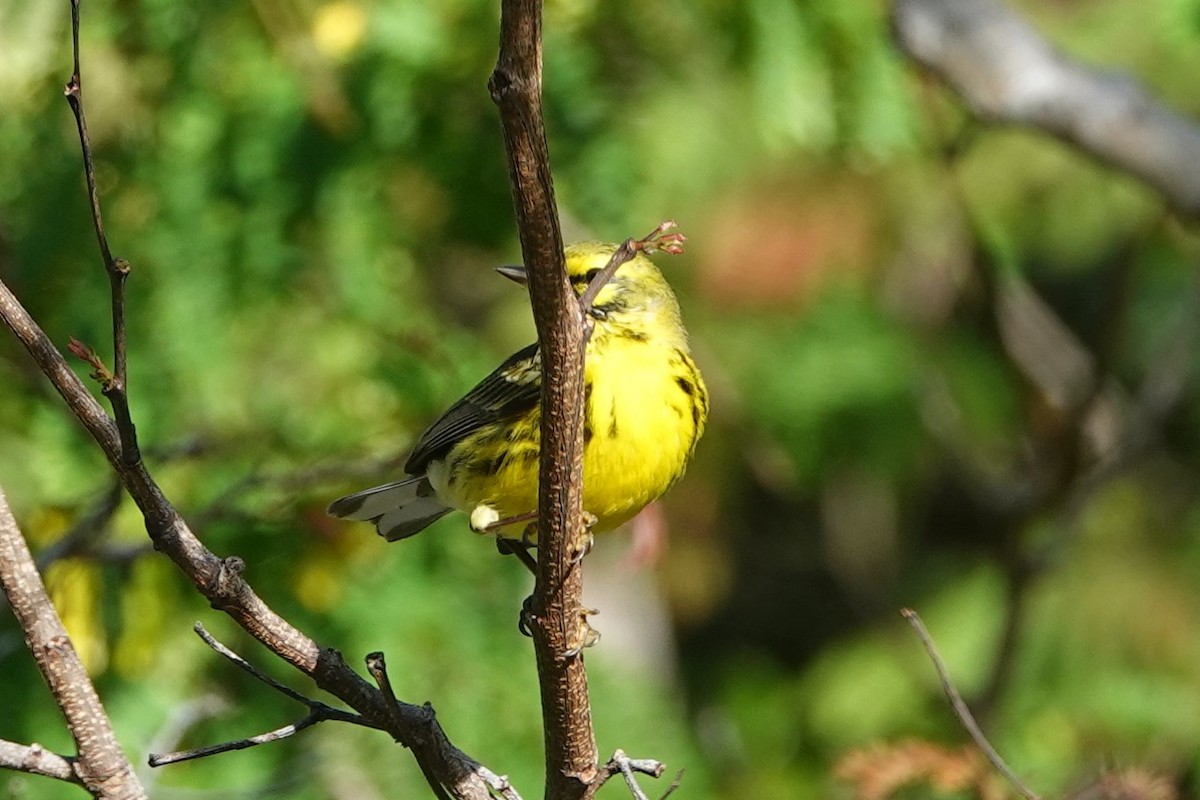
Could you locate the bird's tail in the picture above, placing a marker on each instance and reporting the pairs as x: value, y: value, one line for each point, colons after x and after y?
x: 398, y: 509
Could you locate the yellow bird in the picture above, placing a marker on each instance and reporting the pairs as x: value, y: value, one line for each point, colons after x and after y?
x: 645, y: 408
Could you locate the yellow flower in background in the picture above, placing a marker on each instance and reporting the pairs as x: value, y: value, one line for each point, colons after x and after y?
x: 338, y: 28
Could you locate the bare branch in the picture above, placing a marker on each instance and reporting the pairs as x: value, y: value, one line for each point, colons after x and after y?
x: 960, y: 708
x: 101, y: 766
x: 1007, y: 72
x: 554, y: 620
x: 37, y: 760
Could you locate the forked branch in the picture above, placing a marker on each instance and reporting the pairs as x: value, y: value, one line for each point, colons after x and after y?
x: 317, y: 712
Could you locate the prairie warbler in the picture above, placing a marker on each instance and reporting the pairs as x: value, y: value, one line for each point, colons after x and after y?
x: 645, y: 408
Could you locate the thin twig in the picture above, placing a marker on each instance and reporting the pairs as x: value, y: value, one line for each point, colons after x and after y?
x: 498, y: 784
x: 247, y: 667
x: 312, y: 718
x: 317, y: 712
x: 377, y: 666
x: 657, y: 240
x: 960, y: 708
x: 674, y: 785
x: 181, y: 719
x: 114, y: 385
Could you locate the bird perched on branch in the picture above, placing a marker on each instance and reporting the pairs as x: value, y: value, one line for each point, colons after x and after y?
x: 645, y: 408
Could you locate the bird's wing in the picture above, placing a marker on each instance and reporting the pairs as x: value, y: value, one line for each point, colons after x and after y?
x: 512, y: 389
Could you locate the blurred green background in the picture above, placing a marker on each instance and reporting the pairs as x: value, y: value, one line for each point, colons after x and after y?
x: 952, y: 368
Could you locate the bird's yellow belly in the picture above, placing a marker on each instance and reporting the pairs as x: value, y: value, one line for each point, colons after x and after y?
x: 641, y: 427
x: 640, y: 436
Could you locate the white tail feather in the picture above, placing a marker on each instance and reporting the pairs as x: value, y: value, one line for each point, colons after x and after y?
x: 378, y: 500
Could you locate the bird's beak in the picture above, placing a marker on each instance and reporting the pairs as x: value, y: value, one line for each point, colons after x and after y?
x: 516, y: 274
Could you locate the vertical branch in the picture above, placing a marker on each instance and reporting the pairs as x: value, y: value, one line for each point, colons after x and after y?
x: 100, y: 766
x: 113, y: 384
x: 516, y: 87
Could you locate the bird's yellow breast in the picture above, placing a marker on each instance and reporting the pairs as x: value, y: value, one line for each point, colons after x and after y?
x: 645, y: 407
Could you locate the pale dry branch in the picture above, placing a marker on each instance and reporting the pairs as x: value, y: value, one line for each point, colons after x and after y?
x: 100, y: 766
x: 1007, y: 72
x: 37, y: 760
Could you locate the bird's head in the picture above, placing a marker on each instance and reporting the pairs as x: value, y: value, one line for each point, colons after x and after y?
x: 637, y: 295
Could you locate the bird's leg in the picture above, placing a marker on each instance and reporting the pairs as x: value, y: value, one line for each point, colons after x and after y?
x: 518, y: 548
x: 485, y: 519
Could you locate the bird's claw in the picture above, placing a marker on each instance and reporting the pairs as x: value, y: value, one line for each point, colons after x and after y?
x: 526, y: 617
x: 527, y: 534
x: 578, y: 553
x: 585, y: 634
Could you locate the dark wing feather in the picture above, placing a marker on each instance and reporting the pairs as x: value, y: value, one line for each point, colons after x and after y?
x: 513, y: 388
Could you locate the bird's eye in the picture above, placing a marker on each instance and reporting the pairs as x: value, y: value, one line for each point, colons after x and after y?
x: 591, y: 275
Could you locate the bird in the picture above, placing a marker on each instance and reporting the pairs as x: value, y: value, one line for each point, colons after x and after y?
x: 645, y: 408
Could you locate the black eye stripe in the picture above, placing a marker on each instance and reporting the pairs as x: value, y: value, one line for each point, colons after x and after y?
x: 586, y: 278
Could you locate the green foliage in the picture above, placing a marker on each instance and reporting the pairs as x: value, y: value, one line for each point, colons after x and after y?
x: 312, y: 196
